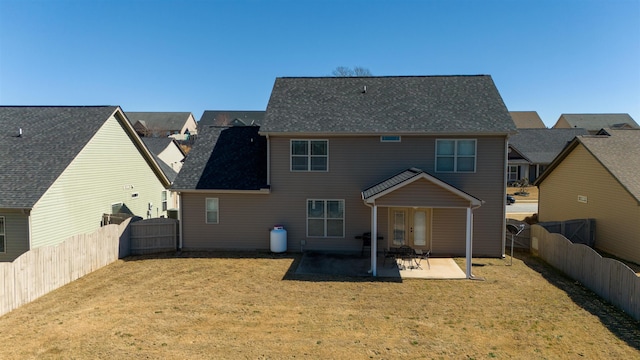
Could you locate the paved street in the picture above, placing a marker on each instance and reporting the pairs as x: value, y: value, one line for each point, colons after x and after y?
x: 523, y: 207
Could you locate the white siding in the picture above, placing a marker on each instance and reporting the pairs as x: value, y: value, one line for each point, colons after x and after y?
x: 108, y: 170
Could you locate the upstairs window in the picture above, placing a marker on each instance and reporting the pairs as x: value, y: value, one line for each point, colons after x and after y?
x: 456, y: 155
x: 309, y: 155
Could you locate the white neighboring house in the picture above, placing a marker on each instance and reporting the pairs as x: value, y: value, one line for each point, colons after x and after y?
x: 66, y: 166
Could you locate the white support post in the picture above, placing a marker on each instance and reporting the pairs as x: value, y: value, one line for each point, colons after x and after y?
x: 469, y: 236
x: 374, y: 240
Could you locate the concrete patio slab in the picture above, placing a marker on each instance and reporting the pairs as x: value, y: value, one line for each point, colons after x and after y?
x: 356, y: 265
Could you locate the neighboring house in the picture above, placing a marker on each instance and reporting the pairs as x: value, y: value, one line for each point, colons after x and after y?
x: 527, y: 120
x: 178, y: 125
x: 230, y: 118
x: 594, y: 122
x: 418, y: 160
x: 532, y: 150
x: 64, y: 167
x: 169, y: 156
x: 168, y: 150
x: 596, y: 177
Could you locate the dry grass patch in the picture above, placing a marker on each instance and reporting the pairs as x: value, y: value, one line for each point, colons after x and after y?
x: 201, y: 306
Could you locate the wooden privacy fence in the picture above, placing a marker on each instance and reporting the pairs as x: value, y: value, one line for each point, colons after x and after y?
x: 578, y: 231
x: 47, y: 268
x: 154, y: 235
x: 610, y: 279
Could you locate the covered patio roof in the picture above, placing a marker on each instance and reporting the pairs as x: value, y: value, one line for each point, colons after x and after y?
x: 414, y: 187
x: 455, y: 198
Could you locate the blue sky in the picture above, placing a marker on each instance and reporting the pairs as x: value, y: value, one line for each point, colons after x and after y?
x: 553, y: 57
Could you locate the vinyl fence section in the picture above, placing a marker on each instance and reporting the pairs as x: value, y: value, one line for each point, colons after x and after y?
x: 153, y: 236
x: 610, y: 279
x: 44, y: 269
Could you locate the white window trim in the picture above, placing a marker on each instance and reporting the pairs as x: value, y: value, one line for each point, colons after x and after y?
x: 206, y: 211
x: 344, y: 210
x: 390, y: 138
x: 4, y: 234
x: 309, y: 156
x: 455, y: 156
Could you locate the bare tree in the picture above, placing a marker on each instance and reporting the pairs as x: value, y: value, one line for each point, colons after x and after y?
x: 343, y: 71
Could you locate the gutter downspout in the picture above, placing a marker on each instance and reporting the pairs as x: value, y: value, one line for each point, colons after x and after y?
x: 268, y: 161
x: 504, y: 209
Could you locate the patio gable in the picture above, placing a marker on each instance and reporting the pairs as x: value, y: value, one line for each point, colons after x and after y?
x: 414, y: 187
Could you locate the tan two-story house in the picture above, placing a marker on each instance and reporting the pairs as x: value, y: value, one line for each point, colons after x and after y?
x: 415, y: 160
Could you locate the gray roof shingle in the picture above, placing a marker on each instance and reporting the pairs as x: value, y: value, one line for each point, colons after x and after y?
x: 620, y: 154
x: 159, y: 120
x: 52, y: 137
x: 230, y: 117
x: 541, y: 146
x: 233, y: 158
x: 595, y: 122
x: 391, y: 105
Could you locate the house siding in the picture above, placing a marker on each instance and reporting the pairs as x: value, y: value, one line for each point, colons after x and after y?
x: 355, y: 163
x: 16, y: 234
x: 108, y: 170
x: 172, y: 156
x: 616, y: 212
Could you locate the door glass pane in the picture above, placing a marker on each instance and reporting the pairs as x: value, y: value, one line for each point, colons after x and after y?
x: 419, y: 228
x: 398, y: 228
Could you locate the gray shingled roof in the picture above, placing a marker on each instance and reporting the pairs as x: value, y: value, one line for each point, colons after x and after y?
x: 159, y: 120
x: 541, y: 146
x: 157, y: 146
x: 404, y: 176
x: 619, y: 153
x: 390, y: 105
x: 595, y: 122
x: 230, y: 117
x: 52, y: 137
x: 232, y: 158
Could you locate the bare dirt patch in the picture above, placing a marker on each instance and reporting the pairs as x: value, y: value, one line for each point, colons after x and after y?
x: 253, y: 306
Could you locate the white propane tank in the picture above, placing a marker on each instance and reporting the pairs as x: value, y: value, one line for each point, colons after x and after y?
x: 278, y: 239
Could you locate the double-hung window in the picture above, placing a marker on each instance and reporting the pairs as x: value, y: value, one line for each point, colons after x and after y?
x: 325, y: 218
x: 212, y: 212
x: 164, y: 200
x: 309, y: 155
x: 2, y: 235
x: 455, y: 155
